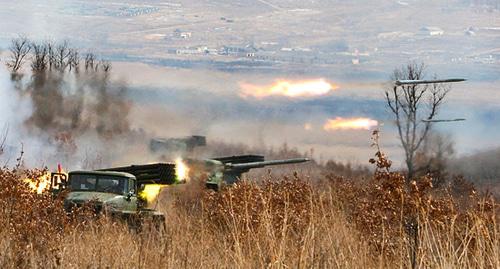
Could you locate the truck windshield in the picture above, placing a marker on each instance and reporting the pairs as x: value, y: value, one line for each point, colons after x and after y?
x: 99, y: 183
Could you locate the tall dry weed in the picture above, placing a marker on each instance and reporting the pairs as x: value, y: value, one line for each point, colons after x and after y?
x: 286, y: 222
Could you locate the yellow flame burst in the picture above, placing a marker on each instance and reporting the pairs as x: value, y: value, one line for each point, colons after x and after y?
x: 181, y: 170
x: 301, y: 88
x: 40, y: 184
x: 350, y: 124
x: 150, y: 192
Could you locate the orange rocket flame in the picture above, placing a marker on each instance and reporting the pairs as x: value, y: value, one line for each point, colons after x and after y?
x: 303, y: 88
x: 181, y: 170
x: 151, y: 192
x: 349, y: 124
x: 40, y: 184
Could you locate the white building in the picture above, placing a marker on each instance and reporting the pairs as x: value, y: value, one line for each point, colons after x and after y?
x: 190, y: 51
x: 181, y: 34
x: 431, y: 30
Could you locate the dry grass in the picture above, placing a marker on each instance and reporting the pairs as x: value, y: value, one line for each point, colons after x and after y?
x: 287, y: 222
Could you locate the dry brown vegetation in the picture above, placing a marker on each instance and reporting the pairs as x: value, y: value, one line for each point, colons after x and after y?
x: 287, y: 222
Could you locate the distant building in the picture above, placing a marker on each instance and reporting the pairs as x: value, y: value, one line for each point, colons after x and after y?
x: 471, y: 31
x: 227, y: 50
x: 181, y: 34
x: 185, y: 35
x: 211, y: 51
x: 190, y: 51
x: 431, y: 31
x: 302, y: 49
x: 269, y: 43
x: 246, y: 51
x: 298, y: 49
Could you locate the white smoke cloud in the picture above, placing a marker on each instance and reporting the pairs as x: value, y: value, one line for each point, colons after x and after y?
x: 14, y: 110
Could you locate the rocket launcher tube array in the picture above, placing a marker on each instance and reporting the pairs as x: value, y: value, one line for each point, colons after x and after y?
x: 245, y: 166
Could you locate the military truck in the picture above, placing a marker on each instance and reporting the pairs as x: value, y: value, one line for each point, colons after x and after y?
x: 176, y: 146
x: 115, y: 191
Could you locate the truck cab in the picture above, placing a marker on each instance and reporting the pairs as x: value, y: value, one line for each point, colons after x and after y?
x: 115, y: 192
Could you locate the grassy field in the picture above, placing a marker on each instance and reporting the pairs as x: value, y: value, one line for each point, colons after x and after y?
x: 289, y: 222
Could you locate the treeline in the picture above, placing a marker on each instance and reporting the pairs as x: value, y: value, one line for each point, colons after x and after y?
x: 49, y: 55
x: 71, y: 92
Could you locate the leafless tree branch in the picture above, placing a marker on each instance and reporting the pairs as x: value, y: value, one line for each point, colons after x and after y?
x: 73, y: 60
x: 90, y: 62
x: 40, y: 59
x: 62, y: 54
x: 106, y: 66
x: 3, y: 139
x: 409, y: 105
x: 19, y: 50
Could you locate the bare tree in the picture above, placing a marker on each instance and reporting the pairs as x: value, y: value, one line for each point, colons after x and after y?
x: 90, y: 62
x: 73, y: 60
x: 40, y: 58
x: 411, y: 104
x: 51, y: 54
x: 433, y: 156
x: 105, y: 65
x: 3, y: 139
x: 62, y: 54
x: 19, y: 50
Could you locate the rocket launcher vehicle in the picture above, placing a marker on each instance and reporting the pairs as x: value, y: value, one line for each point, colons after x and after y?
x: 218, y: 171
x: 228, y: 170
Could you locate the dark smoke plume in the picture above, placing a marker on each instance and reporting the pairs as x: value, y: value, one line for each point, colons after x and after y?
x: 71, y: 96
